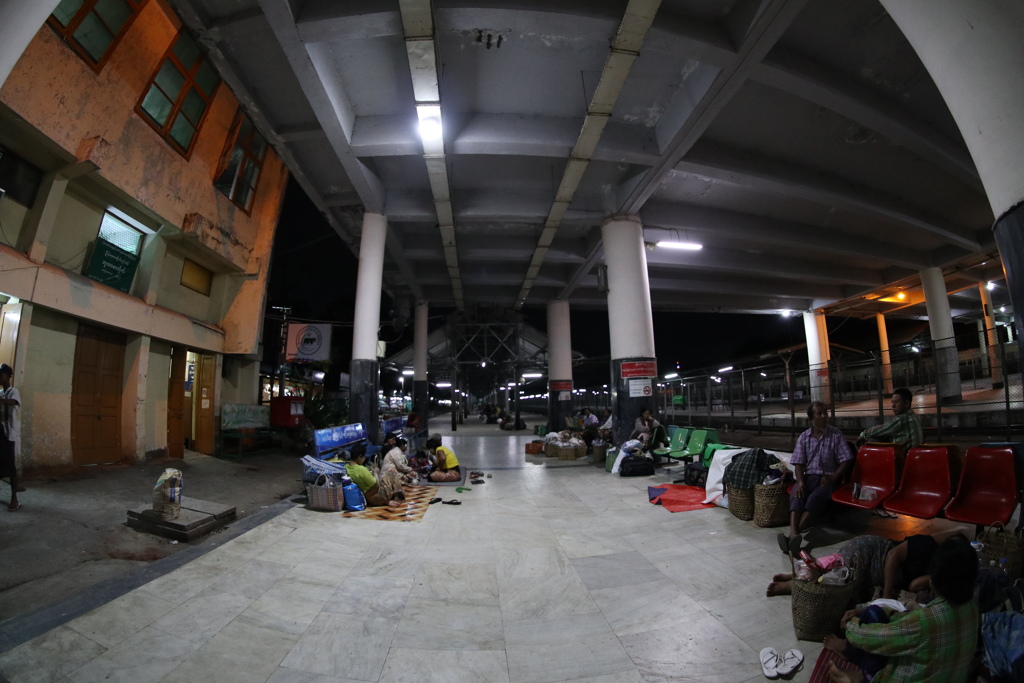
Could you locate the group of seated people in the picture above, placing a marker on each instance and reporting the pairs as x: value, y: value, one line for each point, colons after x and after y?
x: 383, y: 484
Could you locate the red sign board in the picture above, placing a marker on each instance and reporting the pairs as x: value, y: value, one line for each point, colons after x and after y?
x: 639, y: 368
x: 560, y: 386
x: 823, y: 373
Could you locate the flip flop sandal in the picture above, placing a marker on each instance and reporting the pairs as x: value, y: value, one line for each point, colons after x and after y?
x: 451, y: 502
x: 476, y: 481
x: 791, y: 662
x: 488, y: 476
x: 783, y: 543
x: 14, y: 508
x: 769, y: 662
x: 434, y: 500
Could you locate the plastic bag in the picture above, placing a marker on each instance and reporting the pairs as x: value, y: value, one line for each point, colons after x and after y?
x: 835, y: 577
x: 803, y: 572
x: 354, y: 499
x: 167, y: 494
x: 631, y: 445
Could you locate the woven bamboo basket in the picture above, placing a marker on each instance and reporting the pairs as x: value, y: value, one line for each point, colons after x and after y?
x: 817, y: 609
x: 550, y: 450
x: 741, y: 503
x: 771, y: 505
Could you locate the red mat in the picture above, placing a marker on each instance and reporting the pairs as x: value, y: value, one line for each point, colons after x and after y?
x: 678, y: 498
x: 820, y: 673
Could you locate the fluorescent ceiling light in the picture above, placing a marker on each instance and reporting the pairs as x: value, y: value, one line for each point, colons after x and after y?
x: 532, y: 375
x: 408, y: 372
x: 990, y: 286
x: 443, y: 385
x: 688, y: 246
x: 725, y: 369
x: 672, y: 375
x: 431, y: 130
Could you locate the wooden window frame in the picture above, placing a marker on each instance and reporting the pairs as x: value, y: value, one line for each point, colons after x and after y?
x: 67, y: 33
x: 247, y: 156
x: 164, y: 131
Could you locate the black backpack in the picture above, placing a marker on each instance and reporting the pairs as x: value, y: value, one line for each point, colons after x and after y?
x: 636, y: 466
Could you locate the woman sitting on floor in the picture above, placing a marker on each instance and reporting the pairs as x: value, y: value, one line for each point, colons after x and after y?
x: 446, y: 465
x: 877, y: 561
x: 387, y: 491
x: 397, y: 464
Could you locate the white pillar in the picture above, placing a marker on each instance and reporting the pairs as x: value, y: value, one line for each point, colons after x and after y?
x: 559, y: 341
x: 20, y: 21
x: 368, y: 287
x: 631, y: 326
x: 419, y: 349
x: 989, y: 337
x: 973, y: 51
x: 940, y: 323
x: 883, y: 343
x: 817, y: 361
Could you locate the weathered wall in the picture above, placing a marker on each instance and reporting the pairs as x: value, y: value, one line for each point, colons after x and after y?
x: 12, y: 219
x: 156, y: 398
x: 46, y: 390
x: 77, y: 225
x: 242, y: 382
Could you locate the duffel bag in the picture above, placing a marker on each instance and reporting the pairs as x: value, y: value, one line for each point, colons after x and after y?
x: 636, y: 466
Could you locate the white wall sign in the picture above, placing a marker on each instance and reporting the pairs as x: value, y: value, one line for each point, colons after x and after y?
x: 639, y: 388
x: 308, y: 342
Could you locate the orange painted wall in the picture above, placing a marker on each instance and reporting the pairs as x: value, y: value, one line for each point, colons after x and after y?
x: 92, y: 116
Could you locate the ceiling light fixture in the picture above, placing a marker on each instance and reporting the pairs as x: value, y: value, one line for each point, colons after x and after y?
x: 688, y: 246
x: 725, y: 369
x: 990, y: 286
x: 408, y: 372
x: 672, y: 375
x: 532, y: 375
x: 443, y: 385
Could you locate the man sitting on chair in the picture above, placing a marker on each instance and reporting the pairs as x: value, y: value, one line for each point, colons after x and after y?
x: 905, y: 429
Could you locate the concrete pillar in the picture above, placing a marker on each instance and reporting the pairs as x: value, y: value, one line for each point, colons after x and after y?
x: 151, y: 262
x: 560, y: 384
x: 634, y: 367
x: 817, y: 358
x: 420, y: 398
x: 988, y: 337
x: 133, y: 397
x: 35, y: 236
x: 365, y: 370
x: 20, y: 366
x: 19, y: 23
x: 973, y: 52
x: 940, y: 323
x: 883, y: 343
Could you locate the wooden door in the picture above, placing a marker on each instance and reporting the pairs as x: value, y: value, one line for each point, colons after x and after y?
x: 202, y: 399
x: 176, y: 404
x: 96, y: 397
x: 10, y: 319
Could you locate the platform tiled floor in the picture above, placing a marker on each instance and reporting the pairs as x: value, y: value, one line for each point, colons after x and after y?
x: 550, y: 571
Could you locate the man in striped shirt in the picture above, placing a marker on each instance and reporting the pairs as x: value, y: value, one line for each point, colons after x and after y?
x: 905, y: 429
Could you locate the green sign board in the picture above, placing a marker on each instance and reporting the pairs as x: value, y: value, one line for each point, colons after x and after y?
x: 112, y: 265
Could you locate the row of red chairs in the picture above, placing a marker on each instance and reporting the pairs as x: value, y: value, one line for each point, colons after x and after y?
x: 987, y: 491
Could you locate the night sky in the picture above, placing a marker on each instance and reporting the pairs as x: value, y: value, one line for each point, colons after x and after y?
x: 314, y: 273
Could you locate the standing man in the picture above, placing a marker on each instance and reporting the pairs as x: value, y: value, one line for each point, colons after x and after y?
x: 905, y: 429
x: 10, y: 432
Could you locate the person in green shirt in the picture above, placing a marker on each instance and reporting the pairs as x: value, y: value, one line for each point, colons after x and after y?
x: 378, y: 493
x: 905, y: 429
x: 446, y: 465
x: 935, y: 643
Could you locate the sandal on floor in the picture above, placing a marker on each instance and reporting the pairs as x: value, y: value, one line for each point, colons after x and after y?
x: 476, y: 481
x: 14, y: 508
x: 791, y: 662
x: 434, y: 500
x: 451, y: 502
x: 783, y: 543
x: 770, y: 661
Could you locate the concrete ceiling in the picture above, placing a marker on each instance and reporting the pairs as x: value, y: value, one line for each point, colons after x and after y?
x: 800, y: 141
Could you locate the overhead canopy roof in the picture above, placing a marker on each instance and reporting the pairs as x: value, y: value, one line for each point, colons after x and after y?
x: 800, y: 141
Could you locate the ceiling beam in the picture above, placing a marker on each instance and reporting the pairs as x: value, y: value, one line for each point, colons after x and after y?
x: 809, y: 80
x: 746, y: 169
x: 327, y: 98
x: 738, y: 284
x: 732, y: 224
x: 744, y: 263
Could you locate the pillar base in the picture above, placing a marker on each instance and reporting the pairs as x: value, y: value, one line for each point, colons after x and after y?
x: 1009, y: 234
x: 364, y: 406
x: 559, y: 410
x: 626, y: 408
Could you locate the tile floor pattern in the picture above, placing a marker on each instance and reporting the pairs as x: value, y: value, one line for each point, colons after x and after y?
x: 545, y: 573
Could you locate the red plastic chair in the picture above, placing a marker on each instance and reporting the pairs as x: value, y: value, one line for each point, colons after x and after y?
x: 927, y: 482
x: 988, y: 487
x: 875, y: 472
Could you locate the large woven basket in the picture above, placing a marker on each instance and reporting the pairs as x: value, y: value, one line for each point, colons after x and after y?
x: 817, y: 609
x: 741, y: 503
x: 771, y: 505
x: 1000, y: 543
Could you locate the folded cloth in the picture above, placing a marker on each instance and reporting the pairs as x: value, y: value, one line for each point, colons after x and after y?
x: 749, y: 468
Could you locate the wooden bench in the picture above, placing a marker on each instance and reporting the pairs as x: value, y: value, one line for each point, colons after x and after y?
x: 241, y: 423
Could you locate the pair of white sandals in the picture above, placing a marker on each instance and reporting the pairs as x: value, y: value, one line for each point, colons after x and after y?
x: 774, y: 665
